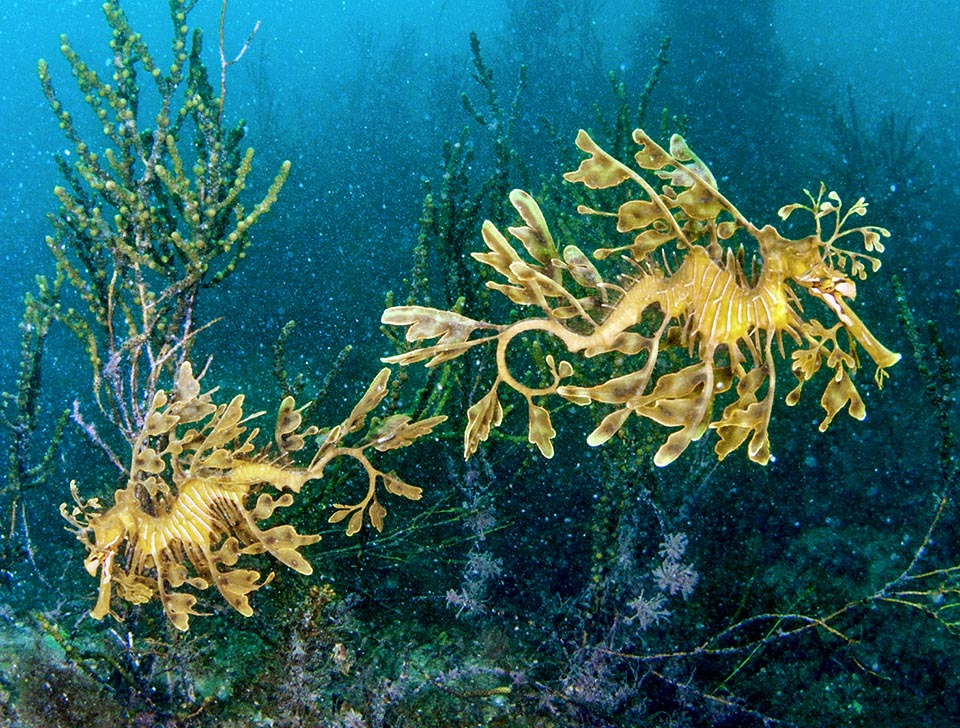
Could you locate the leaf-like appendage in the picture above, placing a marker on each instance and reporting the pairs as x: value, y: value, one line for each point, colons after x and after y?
x: 394, y: 485
x: 235, y: 585
x: 483, y: 416
x: 356, y: 522
x: 651, y: 155
x: 147, y: 461
x: 159, y: 423
x: 267, y: 504
x: 179, y: 607
x: 679, y: 399
x: 430, y: 323
x: 398, y: 431
x: 377, y: 513
x: 535, y: 287
x: 535, y: 236
x: 436, y: 354
x: 522, y: 296
x: 681, y: 152
x: 541, y: 432
x: 288, y: 422
x: 371, y: 398
x: 220, y: 459
x: 745, y: 417
x: 599, y: 170
x: 186, y: 386
x: 282, y: 543
x: 609, y: 426
x: 613, y: 391
x: 700, y: 202
x: 638, y: 214
x: 501, y: 256
x: 581, y: 268
x: 225, y: 425
x: 356, y: 516
x: 340, y: 514
x: 839, y: 391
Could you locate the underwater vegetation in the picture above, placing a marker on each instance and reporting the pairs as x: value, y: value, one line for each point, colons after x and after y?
x: 141, y: 233
x: 644, y: 582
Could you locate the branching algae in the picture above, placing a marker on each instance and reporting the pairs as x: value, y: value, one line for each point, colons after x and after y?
x: 688, y: 290
x: 185, y: 517
x: 150, y: 218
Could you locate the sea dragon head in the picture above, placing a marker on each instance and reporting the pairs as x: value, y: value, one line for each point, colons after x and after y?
x: 824, y: 269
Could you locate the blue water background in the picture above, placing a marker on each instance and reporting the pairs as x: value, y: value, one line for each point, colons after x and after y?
x: 360, y: 96
x: 371, y: 88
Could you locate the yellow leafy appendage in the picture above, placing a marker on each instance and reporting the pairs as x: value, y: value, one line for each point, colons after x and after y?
x: 699, y: 297
x: 185, y: 516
